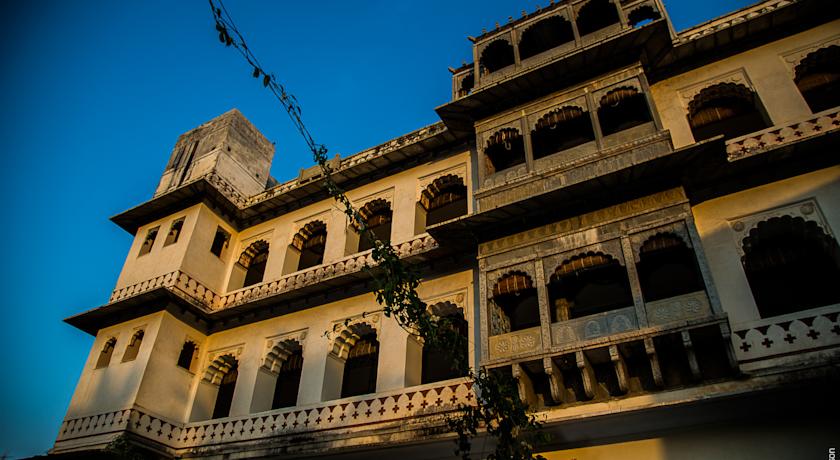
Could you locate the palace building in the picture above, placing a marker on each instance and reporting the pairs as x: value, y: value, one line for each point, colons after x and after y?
x: 638, y: 224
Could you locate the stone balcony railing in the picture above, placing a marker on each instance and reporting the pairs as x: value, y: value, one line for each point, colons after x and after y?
x: 193, y: 291
x: 777, y: 136
x: 431, y: 400
x: 356, y: 159
x: 731, y: 20
x: 621, y: 323
x: 809, y: 330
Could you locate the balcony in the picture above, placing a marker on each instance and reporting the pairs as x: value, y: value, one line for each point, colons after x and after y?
x: 209, y: 310
x: 413, y: 411
x: 789, y: 337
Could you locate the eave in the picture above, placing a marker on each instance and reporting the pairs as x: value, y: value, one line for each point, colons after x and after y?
x: 704, y: 170
x: 561, y: 71
x: 243, y: 212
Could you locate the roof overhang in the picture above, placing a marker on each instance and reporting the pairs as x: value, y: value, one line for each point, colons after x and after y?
x: 564, y: 70
x: 703, y: 169
x: 356, y: 174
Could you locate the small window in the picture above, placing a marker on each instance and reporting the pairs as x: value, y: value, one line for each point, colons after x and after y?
x: 516, y: 296
x: 288, y: 381
x: 818, y: 78
x: 727, y: 109
x: 105, y: 354
x: 596, y: 15
x: 149, y: 241
x: 361, y: 366
x: 496, y: 56
x: 220, y: 241
x: 623, y: 108
x: 133, y: 347
x: 588, y: 284
x: 185, y: 359
x: 174, y: 232
x: 505, y: 149
x: 224, y: 396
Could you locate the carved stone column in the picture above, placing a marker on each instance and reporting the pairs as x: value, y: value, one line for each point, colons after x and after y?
x: 542, y: 297
x: 635, y: 285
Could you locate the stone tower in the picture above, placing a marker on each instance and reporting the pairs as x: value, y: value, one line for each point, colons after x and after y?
x: 228, y: 146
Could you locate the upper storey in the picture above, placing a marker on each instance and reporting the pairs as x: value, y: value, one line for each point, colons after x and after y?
x: 549, y: 34
x: 228, y: 145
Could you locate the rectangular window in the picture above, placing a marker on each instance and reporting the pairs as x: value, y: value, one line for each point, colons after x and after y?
x: 220, y: 241
x: 149, y: 241
x: 174, y: 232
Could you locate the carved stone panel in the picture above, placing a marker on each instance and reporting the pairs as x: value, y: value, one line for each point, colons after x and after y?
x: 515, y: 343
x: 594, y: 326
x: 681, y: 308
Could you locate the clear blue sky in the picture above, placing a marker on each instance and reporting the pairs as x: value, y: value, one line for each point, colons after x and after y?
x: 95, y: 94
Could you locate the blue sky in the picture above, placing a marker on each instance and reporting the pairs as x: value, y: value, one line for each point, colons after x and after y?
x: 96, y: 93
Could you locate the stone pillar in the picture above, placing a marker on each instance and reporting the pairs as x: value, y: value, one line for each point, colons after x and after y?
x: 393, y: 342
x: 635, y: 285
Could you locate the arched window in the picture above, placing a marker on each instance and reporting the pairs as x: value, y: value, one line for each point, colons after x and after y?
x: 561, y: 129
x: 149, y: 241
x: 361, y: 366
x: 133, y: 347
x: 377, y: 215
x: 309, y: 244
x: 622, y: 108
x: 516, y: 296
x: 544, y: 35
x: 818, y: 78
x: 438, y: 362
x: 174, y: 232
x: 224, y: 397
x: 791, y: 265
x: 467, y: 84
x: 250, y: 268
x: 496, y: 56
x: 105, y: 355
x: 596, y: 15
x: 185, y: 358
x: 643, y: 15
x: 504, y: 149
x: 667, y: 268
x: 728, y: 109
x: 444, y: 199
x: 588, y: 284
x: 288, y: 380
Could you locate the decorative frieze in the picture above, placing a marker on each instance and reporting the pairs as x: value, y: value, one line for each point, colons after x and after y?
x: 515, y: 343
x: 731, y: 20
x: 778, y: 136
x: 807, y: 210
x: 685, y: 307
x: 807, y: 330
x: 603, y: 216
x: 193, y: 291
x: 422, y: 403
x: 594, y: 326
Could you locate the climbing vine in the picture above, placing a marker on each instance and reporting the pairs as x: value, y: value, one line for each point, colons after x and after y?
x: 498, y: 410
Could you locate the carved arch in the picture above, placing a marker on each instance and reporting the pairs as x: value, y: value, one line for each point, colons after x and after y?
x: 219, y: 367
x: 497, y: 55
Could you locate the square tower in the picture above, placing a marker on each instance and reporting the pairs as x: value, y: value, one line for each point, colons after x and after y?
x: 229, y: 146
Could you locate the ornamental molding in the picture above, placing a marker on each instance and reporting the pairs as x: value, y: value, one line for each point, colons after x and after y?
x: 610, y: 247
x: 387, y: 195
x: 737, y: 76
x: 575, y: 101
x: 218, y: 366
x: 280, y: 347
x: 809, y: 210
x: 457, y: 298
x: 793, y: 57
x: 459, y: 170
x: 346, y: 332
x: 494, y: 276
x: 633, y: 82
x: 677, y: 228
